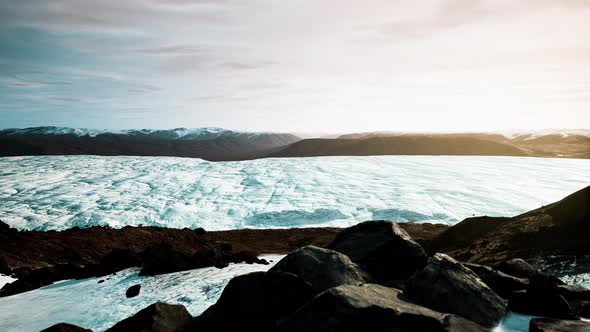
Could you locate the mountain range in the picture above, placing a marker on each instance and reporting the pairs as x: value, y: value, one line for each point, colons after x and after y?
x: 217, y: 144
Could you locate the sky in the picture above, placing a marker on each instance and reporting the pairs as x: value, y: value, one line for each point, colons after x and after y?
x: 297, y: 66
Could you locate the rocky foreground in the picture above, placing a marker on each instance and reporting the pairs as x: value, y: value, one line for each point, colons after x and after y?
x: 372, y: 276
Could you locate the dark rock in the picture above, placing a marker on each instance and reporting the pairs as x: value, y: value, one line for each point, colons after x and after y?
x: 381, y: 248
x: 322, y: 268
x: 369, y: 307
x: 158, y: 317
x: 578, y: 298
x: 542, y: 298
x: 4, y: 227
x: 446, y: 285
x: 517, y: 267
x: 100, y: 281
x: 4, y: 268
x: 117, y: 260
x: 28, y: 279
x: 254, y: 302
x: 555, y: 325
x: 165, y: 259
x: 501, y: 283
x: 133, y: 291
x: 65, y: 327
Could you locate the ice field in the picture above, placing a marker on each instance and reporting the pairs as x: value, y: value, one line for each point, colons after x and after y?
x: 58, y: 192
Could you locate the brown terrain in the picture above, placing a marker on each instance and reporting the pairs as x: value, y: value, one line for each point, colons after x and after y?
x: 572, y: 146
x: 39, y: 258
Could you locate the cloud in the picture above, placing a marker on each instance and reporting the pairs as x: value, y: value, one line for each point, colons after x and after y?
x: 254, y: 64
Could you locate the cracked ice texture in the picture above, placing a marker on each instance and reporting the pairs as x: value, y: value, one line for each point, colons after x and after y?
x: 58, y: 192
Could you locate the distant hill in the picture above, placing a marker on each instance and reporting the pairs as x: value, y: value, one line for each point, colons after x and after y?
x: 398, y: 145
x: 538, y: 144
x: 213, y: 144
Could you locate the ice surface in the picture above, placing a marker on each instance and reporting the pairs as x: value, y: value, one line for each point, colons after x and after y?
x: 58, y: 192
x: 98, y: 306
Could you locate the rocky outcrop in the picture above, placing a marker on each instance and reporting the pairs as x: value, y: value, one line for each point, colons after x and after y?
x: 555, y: 325
x: 446, y: 285
x: 132, y: 291
x: 65, y: 327
x: 369, y: 307
x: 254, y: 302
x: 381, y: 248
x: 321, y: 268
x: 158, y: 317
x: 560, y: 228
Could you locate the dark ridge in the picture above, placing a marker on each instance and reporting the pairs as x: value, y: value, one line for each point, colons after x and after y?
x: 231, y: 146
x: 399, y: 145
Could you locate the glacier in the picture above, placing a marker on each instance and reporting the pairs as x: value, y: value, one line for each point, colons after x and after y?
x: 60, y: 192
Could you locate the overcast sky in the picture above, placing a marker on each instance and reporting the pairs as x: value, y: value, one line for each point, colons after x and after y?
x: 302, y: 66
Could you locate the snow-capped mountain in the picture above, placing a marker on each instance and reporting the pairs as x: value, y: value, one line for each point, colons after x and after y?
x: 206, y: 143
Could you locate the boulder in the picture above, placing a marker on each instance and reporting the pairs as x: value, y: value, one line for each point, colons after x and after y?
x: 542, y: 297
x: 501, y: 283
x: 65, y: 327
x: 369, y: 307
x: 254, y: 302
x: 555, y: 325
x: 381, y: 248
x: 447, y: 286
x: 133, y: 291
x: 158, y: 317
x: 578, y: 298
x: 521, y: 269
x: 321, y: 268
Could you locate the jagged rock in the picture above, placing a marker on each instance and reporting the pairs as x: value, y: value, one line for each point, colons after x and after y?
x: 381, y: 248
x: 254, y: 302
x: 555, y: 325
x: 133, y: 291
x: 447, y: 286
x: 501, y: 283
x: 542, y: 298
x: 322, y: 268
x: 158, y: 317
x: 369, y: 307
x: 65, y: 327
